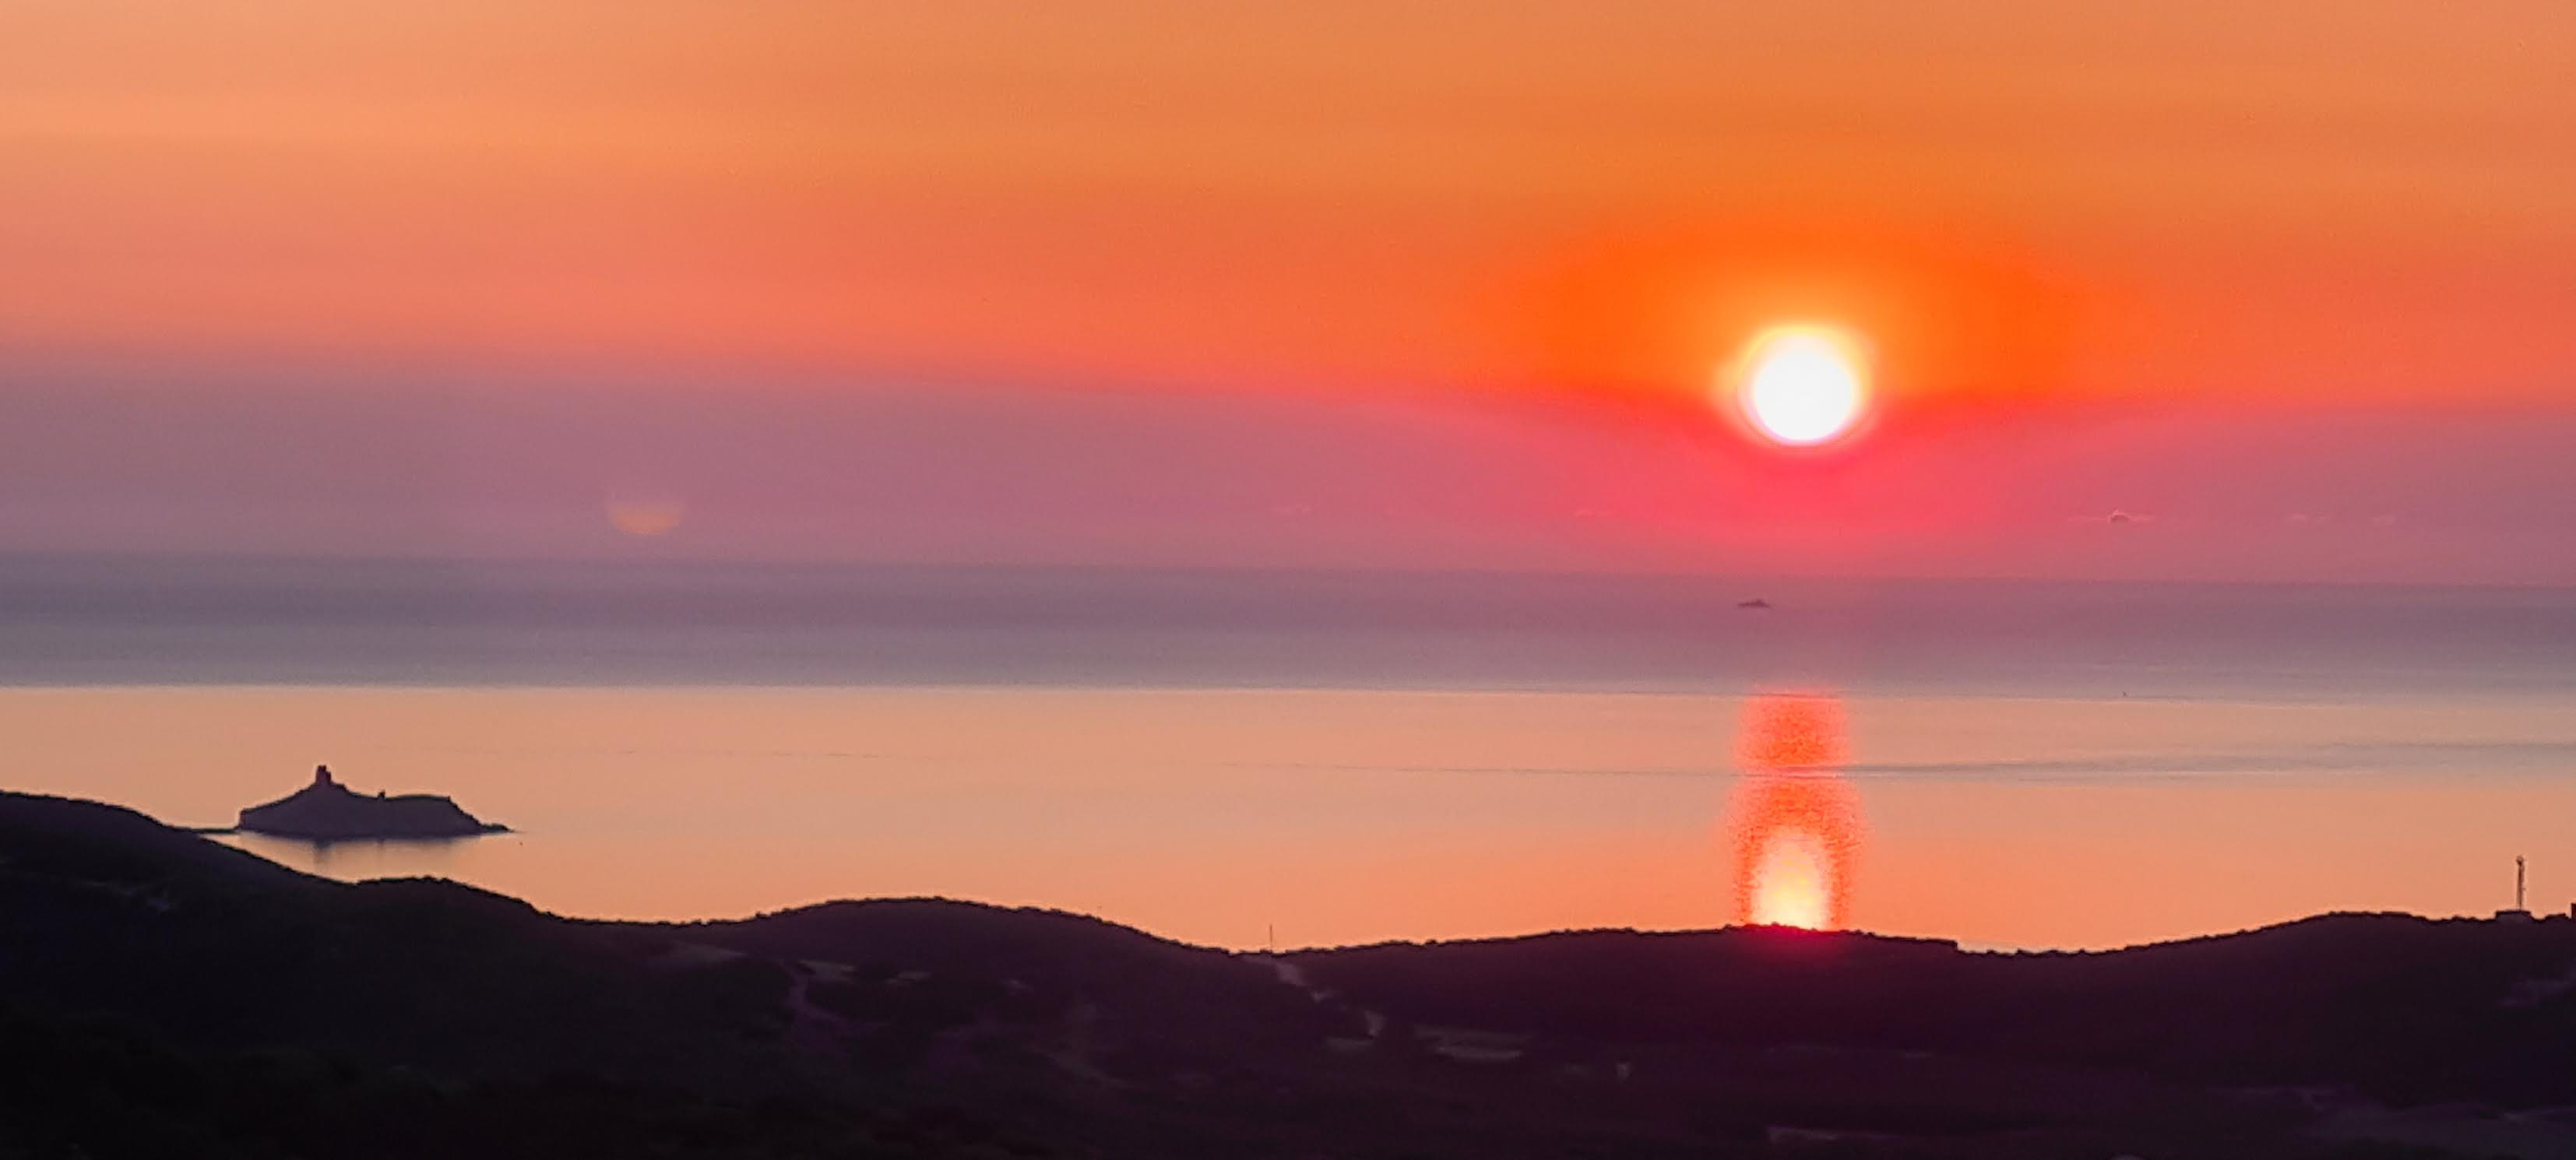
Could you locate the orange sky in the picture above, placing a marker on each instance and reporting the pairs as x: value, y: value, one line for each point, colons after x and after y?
x: 2366, y: 197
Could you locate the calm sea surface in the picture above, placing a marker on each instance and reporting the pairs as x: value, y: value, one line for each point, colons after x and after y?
x: 1338, y: 758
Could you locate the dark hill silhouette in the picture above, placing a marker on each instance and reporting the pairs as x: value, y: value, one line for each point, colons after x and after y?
x: 1144, y: 1002
x: 162, y: 995
x: 2396, y: 1006
x: 1071, y: 953
x: 329, y: 811
x: 67, y: 838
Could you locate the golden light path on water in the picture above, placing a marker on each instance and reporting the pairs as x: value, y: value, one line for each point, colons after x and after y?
x: 1794, y: 821
x: 1793, y: 882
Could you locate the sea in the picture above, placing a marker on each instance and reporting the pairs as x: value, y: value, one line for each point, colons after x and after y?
x: 1253, y: 759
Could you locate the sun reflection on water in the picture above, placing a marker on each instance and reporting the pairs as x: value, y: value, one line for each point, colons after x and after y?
x: 1795, y: 823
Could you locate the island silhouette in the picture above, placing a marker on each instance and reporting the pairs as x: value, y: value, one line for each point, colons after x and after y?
x: 327, y: 811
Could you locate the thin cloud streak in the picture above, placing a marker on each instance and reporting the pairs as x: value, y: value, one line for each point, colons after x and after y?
x: 2354, y: 758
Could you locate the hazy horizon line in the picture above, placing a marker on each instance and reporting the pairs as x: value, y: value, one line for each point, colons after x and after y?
x: 1218, y: 569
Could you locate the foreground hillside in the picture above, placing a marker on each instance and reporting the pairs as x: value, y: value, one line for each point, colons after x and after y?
x: 164, y: 995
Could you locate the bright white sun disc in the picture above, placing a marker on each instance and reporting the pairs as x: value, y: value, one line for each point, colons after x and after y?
x: 1803, y: 387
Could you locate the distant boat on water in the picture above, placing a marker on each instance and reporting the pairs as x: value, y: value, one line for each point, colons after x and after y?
x: 329, y: 811
x: 1757, y: 604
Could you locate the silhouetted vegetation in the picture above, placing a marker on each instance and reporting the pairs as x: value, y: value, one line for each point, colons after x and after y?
x: 167, y: 996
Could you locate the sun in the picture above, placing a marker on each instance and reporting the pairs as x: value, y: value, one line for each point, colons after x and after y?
x: 1803, y: 386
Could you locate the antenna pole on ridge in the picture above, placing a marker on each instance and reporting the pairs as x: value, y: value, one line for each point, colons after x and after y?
x: 2517, y: 884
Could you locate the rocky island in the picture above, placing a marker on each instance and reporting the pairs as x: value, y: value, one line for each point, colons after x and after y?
x: 327, y: 811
